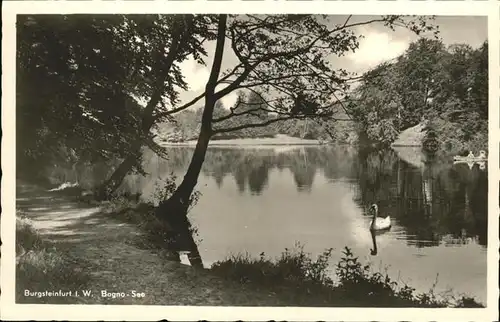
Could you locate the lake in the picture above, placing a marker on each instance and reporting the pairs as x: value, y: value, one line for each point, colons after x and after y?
x: 267, y: 198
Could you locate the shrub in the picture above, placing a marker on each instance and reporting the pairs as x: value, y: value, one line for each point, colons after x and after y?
x: 158, y: 233
x: 166, y: 187
x: 307, y: 282
x: 358, y: 284
x: 27, y: 237
x: 291, y: 268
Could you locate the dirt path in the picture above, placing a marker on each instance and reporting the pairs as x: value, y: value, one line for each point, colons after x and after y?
x: 106, y: 249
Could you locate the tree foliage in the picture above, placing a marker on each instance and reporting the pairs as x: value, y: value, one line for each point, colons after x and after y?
x: 80, y: 78
x: 63, y: 96
x: 446, y: 85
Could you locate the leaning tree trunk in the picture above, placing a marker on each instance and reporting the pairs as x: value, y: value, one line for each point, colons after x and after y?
x: 174, y: 210
x: 118, y: 175
x: 132, y: 159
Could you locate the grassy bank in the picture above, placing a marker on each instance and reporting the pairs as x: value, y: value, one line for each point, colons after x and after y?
x: 304, y: 281
x: 155, y: 234
x: 42, y: 267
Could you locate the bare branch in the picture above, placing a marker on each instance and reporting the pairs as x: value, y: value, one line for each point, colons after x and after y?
x: 253, y: 125
x: 271, y: 121
x: 275, y: 24
x: 270, y: 56
x: 231, y: 73
x: 267, y: 102
x: 265, y: 81
x: 235, y: 49
x: 233, y: 114
x: 332, y: 90
x: 155, y: 147
x: 362, y: 23
x: 347, y: 20
x: 263, y: 21
x: 180, y: 108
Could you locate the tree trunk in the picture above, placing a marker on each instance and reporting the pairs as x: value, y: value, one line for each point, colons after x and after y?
x: 115, y: 180
x: 174, y: 210
x: 147, y: 122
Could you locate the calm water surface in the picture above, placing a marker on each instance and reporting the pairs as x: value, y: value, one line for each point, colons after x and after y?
x: 266, y: 199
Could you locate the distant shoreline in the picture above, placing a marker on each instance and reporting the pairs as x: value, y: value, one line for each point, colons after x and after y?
x: 279, y: 140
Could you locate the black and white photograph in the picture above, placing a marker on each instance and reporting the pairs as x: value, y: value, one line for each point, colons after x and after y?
x: 250, y: 160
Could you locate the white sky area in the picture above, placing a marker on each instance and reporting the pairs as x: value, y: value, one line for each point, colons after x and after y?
x: 375, y: 48
x: 378, y: 44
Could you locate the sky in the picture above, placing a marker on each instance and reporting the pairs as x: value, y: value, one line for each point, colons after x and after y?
x: 379, y: 44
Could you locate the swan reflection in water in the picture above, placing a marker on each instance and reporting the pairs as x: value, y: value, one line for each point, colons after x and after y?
x: 375, y: 233
x: 374, y: 250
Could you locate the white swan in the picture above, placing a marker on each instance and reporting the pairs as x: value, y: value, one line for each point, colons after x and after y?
x: 471, y: 155
x: 379, y: 223
x: 482, y: 154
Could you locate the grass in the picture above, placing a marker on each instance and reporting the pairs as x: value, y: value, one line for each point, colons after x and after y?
x: 157, y: 234
x: 41, y: 267
x: 306, y: 282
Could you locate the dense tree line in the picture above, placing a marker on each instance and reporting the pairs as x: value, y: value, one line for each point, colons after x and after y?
x: 447, y: 86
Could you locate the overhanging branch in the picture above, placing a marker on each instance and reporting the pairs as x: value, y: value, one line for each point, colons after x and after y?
x: 180, y: 108
x: 233, y: 114
x: 271, y: 121
x: 252, y: 125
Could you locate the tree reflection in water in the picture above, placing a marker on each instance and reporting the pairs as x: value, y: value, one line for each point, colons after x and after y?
x: 437, y: 202
x: 434, y: 201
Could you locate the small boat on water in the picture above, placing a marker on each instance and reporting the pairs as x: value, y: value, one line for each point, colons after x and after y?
x: 471, y: 157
